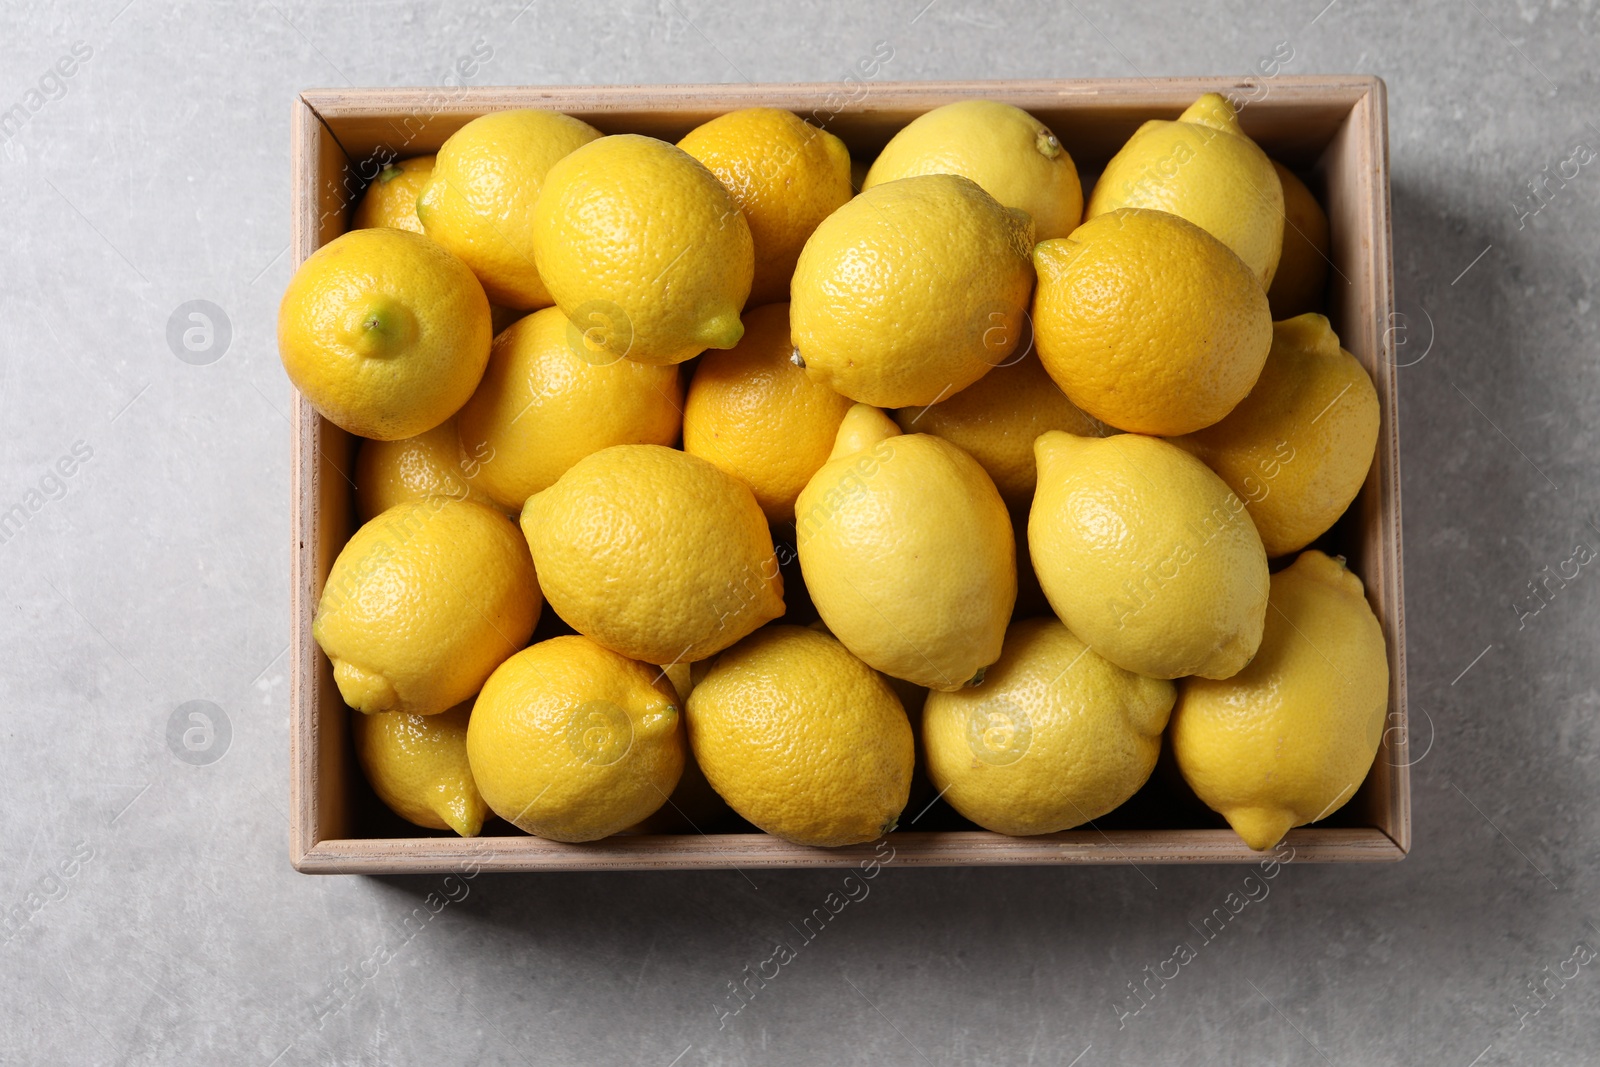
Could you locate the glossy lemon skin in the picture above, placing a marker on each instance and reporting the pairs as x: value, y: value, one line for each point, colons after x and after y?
x: 1203, y: 168
x: 753, y: 413
x: 430, y: 464
x: 907, y: 551
x: 785, y: 175
x: 1297, y: 449
x: 1148, y: 323
x: 417, y: 764
x: 1055, y: 737
x: 384, y: 332
x: 423, y: 602
x: 654, y: 553
x: 802, y: 738
x: 1012, y: 155
x: 1147, y: 555
x: 570, y: 741
x: 912, y: 291
x: 543, y: 404
x: 644, y: 249
x: 1290, y: 738
x: 479, y: 200
x: 391, y: 199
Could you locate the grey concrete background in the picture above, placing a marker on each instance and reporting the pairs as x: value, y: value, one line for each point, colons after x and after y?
x: 151, y: 914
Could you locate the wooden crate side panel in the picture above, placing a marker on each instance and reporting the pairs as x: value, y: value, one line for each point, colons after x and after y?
x: 758, y: 851
x: 1298, y: 115
x: 319, y: 744
x: 1362, y: 302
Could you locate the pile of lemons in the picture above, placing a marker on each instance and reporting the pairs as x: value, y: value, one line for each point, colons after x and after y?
x: 1033, y: 454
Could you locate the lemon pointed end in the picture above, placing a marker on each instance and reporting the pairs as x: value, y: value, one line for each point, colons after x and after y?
x: 366, y: 691
x: 720, y: 331
x: 1056, y: 446
x: 863, y: 427
x: 1261, y: 828
x: 1214, y: 111
x: 462, y: 815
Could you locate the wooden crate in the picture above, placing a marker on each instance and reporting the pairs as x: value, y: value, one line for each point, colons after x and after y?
x: 1333, y: 127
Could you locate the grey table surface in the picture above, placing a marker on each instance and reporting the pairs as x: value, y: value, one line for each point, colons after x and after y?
x: 149, y: 911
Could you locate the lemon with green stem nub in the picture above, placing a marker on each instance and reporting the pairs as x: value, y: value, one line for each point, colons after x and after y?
x: 384, y: 332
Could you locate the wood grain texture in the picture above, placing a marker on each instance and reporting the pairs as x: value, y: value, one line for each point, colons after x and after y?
x: 1332, y: 126
x: 440, y: 855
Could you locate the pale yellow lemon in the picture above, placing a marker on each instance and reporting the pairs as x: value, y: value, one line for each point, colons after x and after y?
x: 753, y: 413
x: 654, y: 553
x: 997, y: 419
x: 543, y: 404
x: 785, y: 174
x: 907, y: 552
x: 391, y: 199
x: 423, y: 602
x: 1055, y: 737
x: 1016, y: 158
x: 1301, y: 281
x: 1147, y: 555
x: 1290, y: 738
x: 802, y: 738
x: 430, y: 464
x: 912, y: 291
x: 417, y: 764
x: 1298, y: 448
x: 572, y: 742
x: 479, y: 200
x: 1149, y: 323
x: 384, y: 332
x: 1204, y: 168
x: 644, y: 249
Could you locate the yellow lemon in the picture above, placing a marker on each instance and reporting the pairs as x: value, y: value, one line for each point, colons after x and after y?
x: 1014, y: 156
x: 1203, y: 168
x: 1149, y: 323
x: 912, y: 291
x: 785, y: 174
x: 907, y: 551
x: 543, y: 405
x: 1302, y: 277
x: 1054, y: 737
x: 1147, y: 555
x: 644, y: 249
x: 572, y: 742
x: 384, y: 332
x: 429, y: 464
x: 479, y: 200
x: 1289, y: 739
x: 802, y: 738
x: 417, y: 764
x: 423, y: 602
x: 754, y: 414
x: 391, y: 199
x: 654, y: 553
x: 1298, y: 448
x: 997, y: 419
